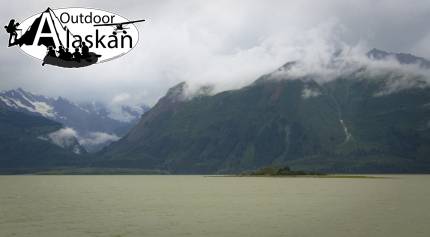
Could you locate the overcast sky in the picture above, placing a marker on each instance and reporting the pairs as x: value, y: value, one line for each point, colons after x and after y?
x: 225, y: 42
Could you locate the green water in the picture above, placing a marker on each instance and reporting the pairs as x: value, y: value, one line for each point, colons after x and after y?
x: 213, y: 206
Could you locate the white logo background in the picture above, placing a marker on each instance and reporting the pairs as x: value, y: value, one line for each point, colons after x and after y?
x: 83, y: 29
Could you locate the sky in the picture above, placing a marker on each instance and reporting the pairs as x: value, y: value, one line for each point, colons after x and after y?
x: 225, y: 43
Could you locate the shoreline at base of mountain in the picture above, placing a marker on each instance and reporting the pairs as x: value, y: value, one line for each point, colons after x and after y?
x: 339, y: 176
x: 264, y: 172
x: 83, y: 171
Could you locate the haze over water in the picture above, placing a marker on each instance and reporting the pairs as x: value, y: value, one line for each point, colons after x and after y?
x: 213, y: 206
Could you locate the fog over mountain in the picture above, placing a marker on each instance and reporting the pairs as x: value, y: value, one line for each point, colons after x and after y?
x: 224, y: 43
x: 94, y: 125
x: 355, y: 114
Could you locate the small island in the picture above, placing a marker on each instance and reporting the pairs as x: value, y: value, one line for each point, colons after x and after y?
x: 286, y: 171
x: 280, y: 171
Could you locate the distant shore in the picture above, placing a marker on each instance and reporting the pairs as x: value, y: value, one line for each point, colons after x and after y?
x: 129, y: 171
x: 329, y: 176
x: 84, y: 171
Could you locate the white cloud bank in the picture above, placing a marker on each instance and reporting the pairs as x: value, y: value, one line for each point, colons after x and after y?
x: 97, y: 138
x: 69, y: 138
x: 65, y: 137
x: 225, y: 43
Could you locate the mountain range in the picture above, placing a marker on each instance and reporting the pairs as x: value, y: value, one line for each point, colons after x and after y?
x: 361, y: 119
x: 94, y: 124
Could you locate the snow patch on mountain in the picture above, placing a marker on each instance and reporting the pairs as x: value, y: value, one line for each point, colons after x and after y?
x: 19, y: 100
x: 7, y: 102
x: 95, y: 124
x: 44, y: 109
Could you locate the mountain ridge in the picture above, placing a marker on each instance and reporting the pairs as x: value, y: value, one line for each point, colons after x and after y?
x: 348, y: 124
x: 87, y: 119
x: 24, y: 143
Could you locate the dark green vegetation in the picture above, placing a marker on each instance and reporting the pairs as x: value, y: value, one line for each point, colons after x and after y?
x: 287, y: 172
x: 353, y: 124
x: 362, y: 121
x: 280, y: 171
x: 20, y: 146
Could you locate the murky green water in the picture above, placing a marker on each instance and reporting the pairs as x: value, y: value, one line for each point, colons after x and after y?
x: 213, y: 206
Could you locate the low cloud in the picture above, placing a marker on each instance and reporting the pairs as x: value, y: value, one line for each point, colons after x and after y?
x: 97, y: 138
x: 125, y: 107
x: 309, y: 93
x: 69, y: 138
x: 65, y: 137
